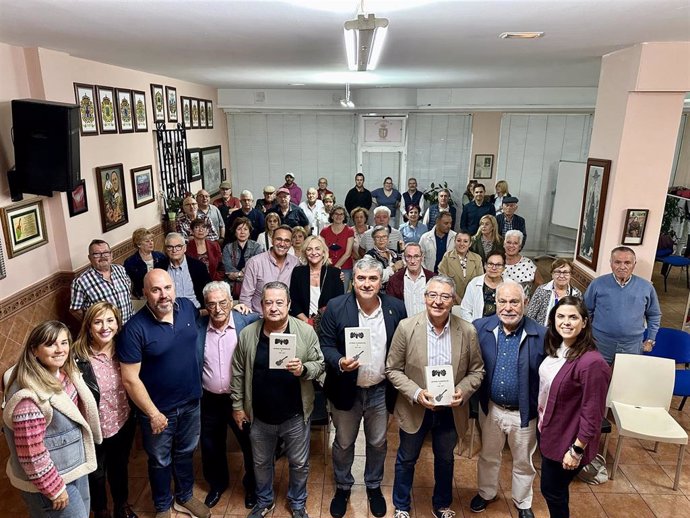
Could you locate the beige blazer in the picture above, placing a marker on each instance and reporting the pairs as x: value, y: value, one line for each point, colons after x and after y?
x: 407, y: 359
x: 450, y: 266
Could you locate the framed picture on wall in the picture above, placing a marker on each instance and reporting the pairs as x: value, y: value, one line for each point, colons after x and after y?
x: 483, y: 166
x: 186, y: 112
x: 592, y: 214
x: 202, y: 113
x: 171, y: 96
x: 86, y: 99
x: 211, y: 166
x: 158, y: 102
x: 125, y: 113
x: 24, y: 226
x: 194, y: 164
x: 76, y: 200
x: 142, y: 185
x: 141, y: 121
x: 3, y: 271
x: 105, y: 97
x: 112, y: 198
x: 634, y: 227
x: 209, y: 114
x: 195, y: 113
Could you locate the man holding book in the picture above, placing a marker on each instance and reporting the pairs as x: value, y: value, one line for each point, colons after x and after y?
x: 435, y: 364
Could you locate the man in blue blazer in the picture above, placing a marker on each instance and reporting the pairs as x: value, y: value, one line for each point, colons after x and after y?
x: 218, y: 335
x: 508, y: 220
x: 355, y: 391
x: 512, y: 347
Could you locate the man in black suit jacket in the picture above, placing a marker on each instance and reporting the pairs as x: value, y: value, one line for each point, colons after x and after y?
x: 189, y: 275
x: 508, y: 220
x: 356, y: 391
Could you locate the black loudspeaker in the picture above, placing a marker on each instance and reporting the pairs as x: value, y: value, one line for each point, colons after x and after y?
x: 46, y: 146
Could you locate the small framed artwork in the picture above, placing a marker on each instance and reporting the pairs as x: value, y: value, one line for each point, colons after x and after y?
x: 195, y: 113
x: 24, y: 226
x: 76, y: 200
x: 209, y: 114
x: 186, y: 112
x: 211, y: 166
x: 635, y: 225
x: 86, y: 99
x: 592, y: 215
x: 141, y: 121
x: 125, y: 115
x: 171, y: 96
x: 194, y: 164
x: 3, y: 271
x: 202, y: 113
x: 105, y: 97
x: 158, y: 101
x: 112, y: 197
x: 223, y: 175
x: 483, y: 166
x: 142, y: 185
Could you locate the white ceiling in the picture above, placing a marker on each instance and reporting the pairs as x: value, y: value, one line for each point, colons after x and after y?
x: 274, y: 43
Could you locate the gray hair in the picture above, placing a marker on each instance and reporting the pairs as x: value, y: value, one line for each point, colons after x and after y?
x: 174, y: 235
x: 217, y: 286
x: 381, y: 208
x: 625, y: 249
x: 379, y: 228
x: 443, y: 279
x: 411, y: 244
x: 246, y: 193
x: 275, y: 285
x: 515, y: 233
x: 511, y: 283
x: 367, y: 263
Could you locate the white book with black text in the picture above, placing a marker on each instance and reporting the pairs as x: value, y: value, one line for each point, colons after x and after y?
x: 282, y: 347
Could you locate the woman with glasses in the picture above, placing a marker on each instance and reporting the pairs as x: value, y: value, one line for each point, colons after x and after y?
x: 141, y: 261
x: 340, y: 239
x: 389, y: 259
x: 480, y: 295
x: 190, y: 212
x: 207, y: 251
x: 519, y: 268
x: 573, y: 382
x: 460, y: 264
x: 547, y: 295
x: 238, y: 252
x: 413, y: 229
x: 487, y: 239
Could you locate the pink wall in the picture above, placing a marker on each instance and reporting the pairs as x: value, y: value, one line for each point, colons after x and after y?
x: 54, y: 73
x: 486, y: 131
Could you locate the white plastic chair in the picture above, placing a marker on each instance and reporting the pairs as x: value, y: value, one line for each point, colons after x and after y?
x: 640, y: 396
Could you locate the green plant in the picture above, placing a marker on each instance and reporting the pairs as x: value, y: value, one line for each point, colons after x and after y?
x: 672, y: 211
x: 431, y: 194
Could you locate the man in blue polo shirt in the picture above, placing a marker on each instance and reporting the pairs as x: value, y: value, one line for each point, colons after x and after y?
x: 160, y: 371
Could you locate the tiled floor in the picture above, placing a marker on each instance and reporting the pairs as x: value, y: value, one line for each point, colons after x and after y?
x: 642, y: 487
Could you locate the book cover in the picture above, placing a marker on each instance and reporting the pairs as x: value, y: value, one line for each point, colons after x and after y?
x: 282, y: 348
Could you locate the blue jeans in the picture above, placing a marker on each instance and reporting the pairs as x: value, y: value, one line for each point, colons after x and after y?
x: 443, y: 440
x: 170, y: 454
x: 295, y: 433
x: 79, y: 504
x: 370, y: 404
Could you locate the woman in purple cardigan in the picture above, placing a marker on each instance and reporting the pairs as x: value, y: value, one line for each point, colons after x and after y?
x: 573, y: 382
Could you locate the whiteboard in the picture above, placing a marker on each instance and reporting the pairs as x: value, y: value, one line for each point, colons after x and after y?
x: 570, y: 184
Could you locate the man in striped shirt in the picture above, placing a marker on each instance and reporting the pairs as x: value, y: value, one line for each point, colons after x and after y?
x: 102, y: 281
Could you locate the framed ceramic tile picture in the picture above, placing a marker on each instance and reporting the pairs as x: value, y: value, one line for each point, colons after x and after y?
x: 24, y: 226
x: 634, y: 226
x: 141, y: 120
x: 483, y: 166
x: 76, y: 200
x: 193, y: 164
x: 209, y: 114
x: 202, y: 113
x: 171, y: 96
x: 142, y: 185
x: 211, y: 165
x: 3, y: 271
x: 195, y: 113
x: 125, y: 115
x: 86, y: 99
x: 592, y: 215
x: 158, y: 103
x: 112, y: 198
x: 186, y: 112
x: 107, y: 119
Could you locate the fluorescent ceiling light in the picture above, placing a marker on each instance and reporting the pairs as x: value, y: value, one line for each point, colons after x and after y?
x: 520, y: 35
x: 364, y: 38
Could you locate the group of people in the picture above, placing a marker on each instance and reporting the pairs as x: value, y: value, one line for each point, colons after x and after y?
x: 191, y: 363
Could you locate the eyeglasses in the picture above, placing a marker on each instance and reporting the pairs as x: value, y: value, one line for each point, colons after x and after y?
x: 176, y: 248
x: 561, y: 273
x: 223, y: 304
x: 445, y: 297
x: 514, y: 303
x: 98, y: 255
x: 413, y: 257
x: 495, y: 266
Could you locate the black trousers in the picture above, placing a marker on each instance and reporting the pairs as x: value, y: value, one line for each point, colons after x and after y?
x: 216, y: 416
x: 112, y: 457
x: 554, y: 486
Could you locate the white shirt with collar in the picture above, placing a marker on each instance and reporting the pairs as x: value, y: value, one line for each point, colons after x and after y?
x: 413, y: 294
x: 374, y: 373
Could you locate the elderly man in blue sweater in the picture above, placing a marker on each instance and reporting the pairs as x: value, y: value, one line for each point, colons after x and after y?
x: 619, y: 305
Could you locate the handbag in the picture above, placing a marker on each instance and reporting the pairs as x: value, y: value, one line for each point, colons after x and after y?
x: 595, y: 472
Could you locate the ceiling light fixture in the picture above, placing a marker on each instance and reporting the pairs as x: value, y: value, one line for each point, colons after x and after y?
x: 347, y: 102
x: 520, y: 35
x: 364, y: 39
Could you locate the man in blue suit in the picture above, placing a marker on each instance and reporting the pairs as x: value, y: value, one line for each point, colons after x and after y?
x: 218, y: 335
x: 360, y: 392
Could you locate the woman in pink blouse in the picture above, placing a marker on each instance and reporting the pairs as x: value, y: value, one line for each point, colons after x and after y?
x: 94, y: 351
x: 50, y: 423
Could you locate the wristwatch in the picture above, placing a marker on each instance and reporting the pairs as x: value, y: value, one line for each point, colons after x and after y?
x: 577, y: 449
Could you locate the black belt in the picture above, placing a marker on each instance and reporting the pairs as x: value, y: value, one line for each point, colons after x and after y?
x: 510, y: 408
